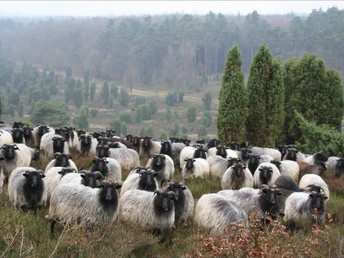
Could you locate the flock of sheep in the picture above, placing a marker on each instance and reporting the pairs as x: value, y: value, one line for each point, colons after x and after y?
x: 276, y: 182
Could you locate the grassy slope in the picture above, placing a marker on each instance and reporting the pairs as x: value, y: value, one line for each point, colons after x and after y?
x: 26, y: 235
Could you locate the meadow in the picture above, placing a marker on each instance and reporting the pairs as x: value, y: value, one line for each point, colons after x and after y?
x: 26, y: 235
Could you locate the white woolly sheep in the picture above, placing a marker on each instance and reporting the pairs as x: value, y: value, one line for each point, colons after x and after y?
x: 52, y: 143
x: 27, y: 189
x: 109, y: 167
x: 293, y: 154
x: 236, y: 177
x: 288, y: 168
x: 184, y: 203
x: 274, y: 153
x: 87, y: 178
x: 215, y: 213
x: 268, y: 200
x: 309, y: 181
x: 335, y: 166
x: 73, y: 203
x: 140, y: 179
x: 149, y: 147
x: 306, y: 207
x: 265, y: 174
x: 163, y: 165
x: 61, y: 160
x: 18, y: 135
x: 87, y: 145
x: 5, y: 138
x: 127, y: 158
x: 16, y: 155
x: 197, y: 167
x: 190, y: 152
x: 318, y: 157
x: 218, y: 165
x: 151, y: 210
x: 53, y: 177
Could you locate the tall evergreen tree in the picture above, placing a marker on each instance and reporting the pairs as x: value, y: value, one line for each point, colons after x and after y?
x: 313, y: 91
x: 266, y: 99
x: 232, y: 110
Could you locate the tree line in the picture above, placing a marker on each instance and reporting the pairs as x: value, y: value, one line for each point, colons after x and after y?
x: 176, y: 51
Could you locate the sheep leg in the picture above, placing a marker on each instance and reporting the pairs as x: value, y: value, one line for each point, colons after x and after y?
x: 167, y: 236
x: 52, y: 225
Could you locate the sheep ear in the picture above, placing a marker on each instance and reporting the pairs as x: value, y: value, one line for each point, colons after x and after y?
x: 118, y: 185
x: 42, y: 175
x: 83, y: 175
x: 26, y: 173
x: 172, y: 196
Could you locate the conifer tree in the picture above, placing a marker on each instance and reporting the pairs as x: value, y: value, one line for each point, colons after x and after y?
x: 232, y: 110
x: 266, y: 99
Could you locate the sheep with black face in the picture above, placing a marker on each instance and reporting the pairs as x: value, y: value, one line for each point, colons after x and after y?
x: 265, y: 174
x: 163, y: 165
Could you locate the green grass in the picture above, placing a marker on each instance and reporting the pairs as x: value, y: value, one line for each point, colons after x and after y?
x: 27, y: 235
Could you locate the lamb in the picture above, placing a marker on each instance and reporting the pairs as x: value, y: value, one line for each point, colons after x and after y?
x: 87, y: 178
x: 163, y: 165
x: 215, y: 213
x: 16, y: 155
x: 307, y: 207
x: 53, y: 177
x: 197, y: 167
x: 149, y: 146
x: 151, y: 210
x: 87, y: 145
x: 265, y: 174
x: 335, y: 166
x: 236, y: 177
x: 27, y: 189
x: 268, y: 200
x: 52, y: 143
x: 289, y: 168
x: 172, y: 149
x: 310, y: 180
x: 73, y: 203
x: 127, y: 158
x: 142, y: 179
x: 61, y: 160
x: 184, y: 203
x: 109, y: 167
x: 275, y: 154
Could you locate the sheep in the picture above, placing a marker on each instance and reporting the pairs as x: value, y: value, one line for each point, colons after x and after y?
x: 151, y: 210
x: 142, y: 179
x: 163, y: 165
x: 53, y: 177
x: 310, y: 180
x: 255, y: 160
x: 316, y: 158
x: 109, y: 167
x: 319, y: 168
x: 267, y: 200
x: 52, y: 143
x: 61, y: 160
x: 87, y: 145
x: 127, y: 158
x: 172, y: 149
x: 265, y: 174
x: 215, y: 213
x: 184, y: 203
x: 2, y: 176
x: 73, y: 203
x: 149, y: 146
x: 287, y: 183
x: 275, y: 154
x: 288, y: 168
x: 190, y: 152
x: 16, y: 155
x: 236, y: 177
x: 18, y: 135
x: 293, y: 154
x: 87, y: 178
x: 306, y: 207
x: 39, y: 131
x: 335, y: 166
x: 27, y: 189
x: 218, y: 165
x: 28, y: 135
x: 5, y: 138
x: 217, y: 150
x: 197, y: 167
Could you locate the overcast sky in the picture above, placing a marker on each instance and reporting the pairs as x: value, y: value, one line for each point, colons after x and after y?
x: 119, y: 8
